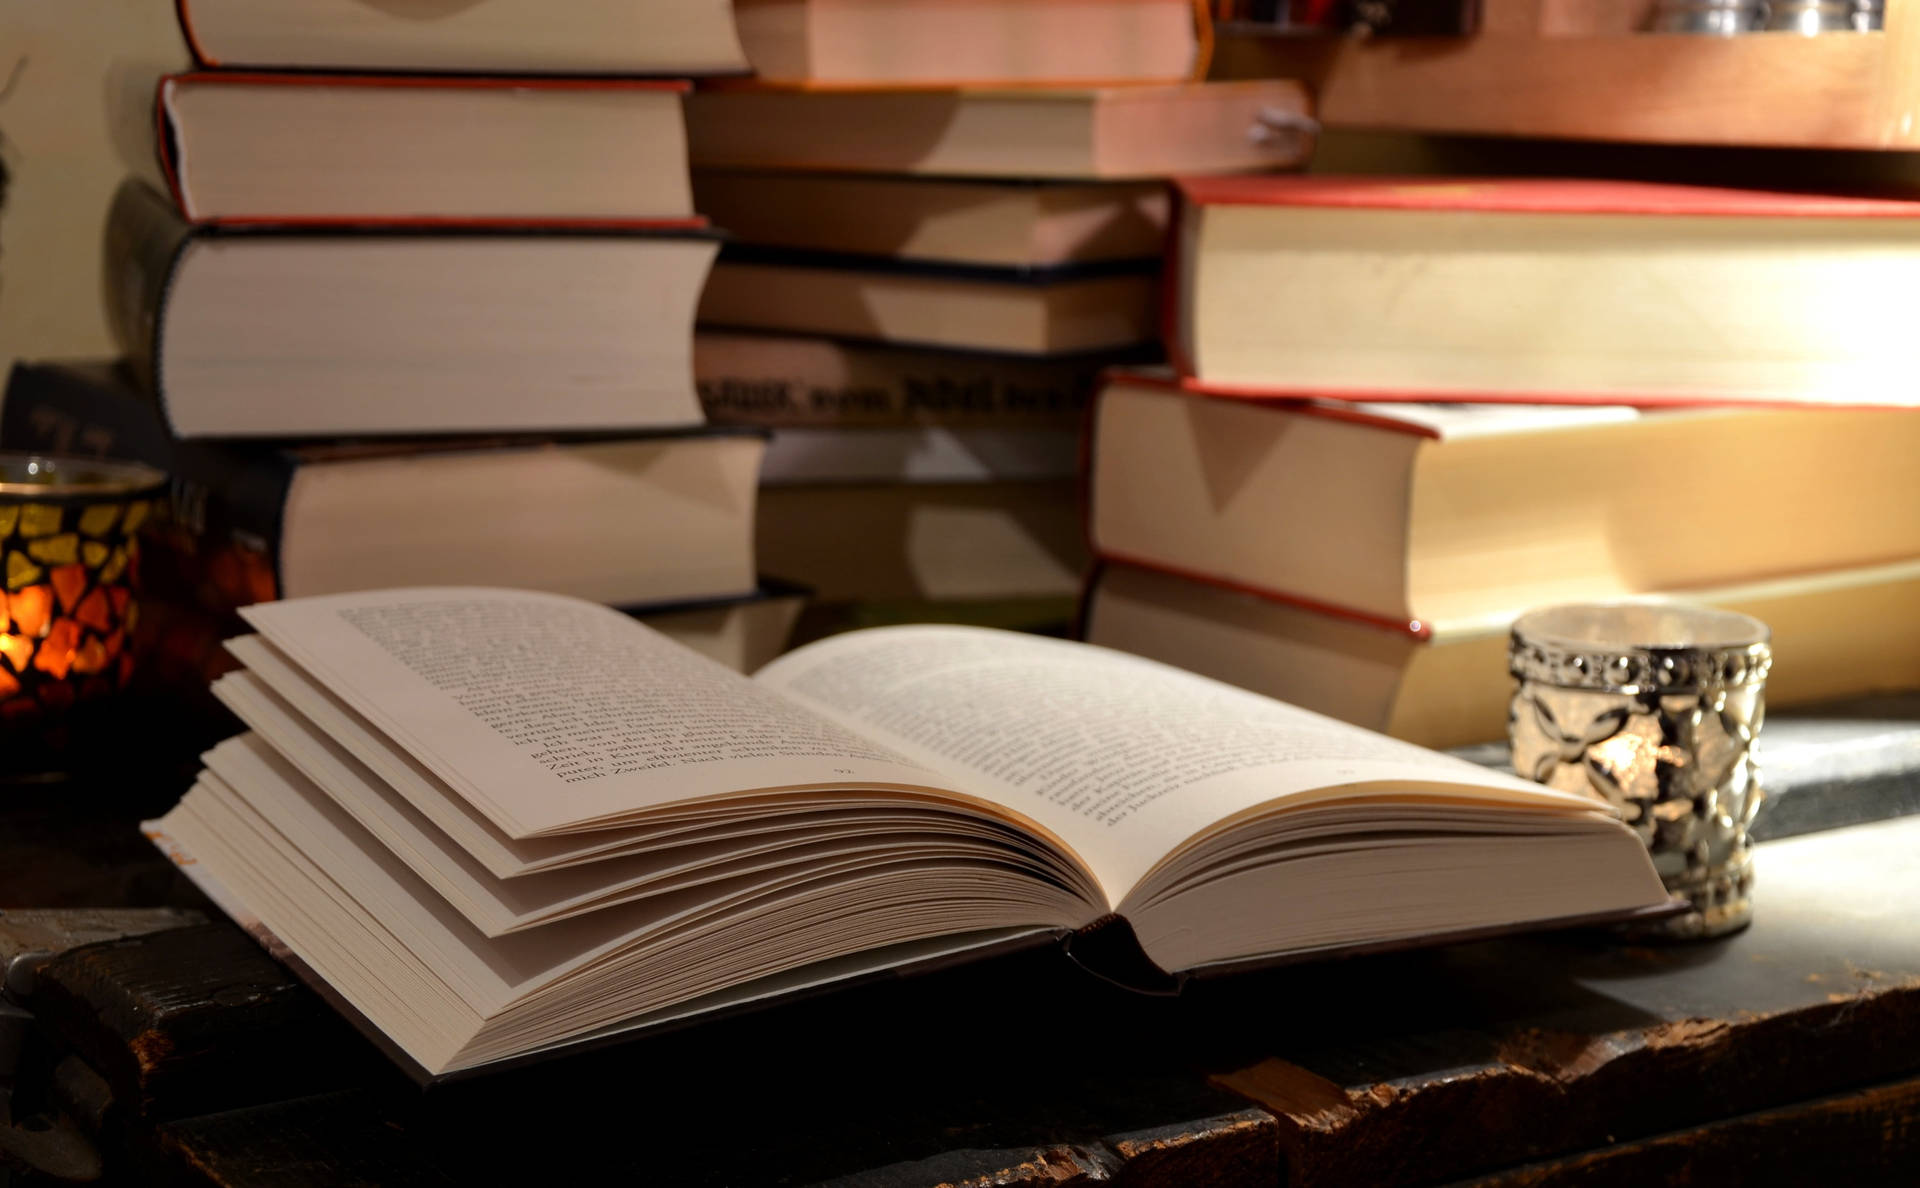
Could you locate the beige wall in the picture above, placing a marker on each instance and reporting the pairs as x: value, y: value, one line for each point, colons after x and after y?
x: 78, y: 78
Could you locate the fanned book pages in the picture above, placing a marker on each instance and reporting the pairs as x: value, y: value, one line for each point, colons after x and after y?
x: 493, y: 823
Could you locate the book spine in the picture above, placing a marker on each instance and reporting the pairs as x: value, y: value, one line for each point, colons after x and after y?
x: 145, y: 237
x: 816, y: 382
x: 90, y: 412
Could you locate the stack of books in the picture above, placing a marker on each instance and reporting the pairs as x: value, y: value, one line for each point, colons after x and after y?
x: 411, y: 302
x: 944, y: 221
x: 1408, y: 410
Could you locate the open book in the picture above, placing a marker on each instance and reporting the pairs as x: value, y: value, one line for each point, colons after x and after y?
x: 494, y: 822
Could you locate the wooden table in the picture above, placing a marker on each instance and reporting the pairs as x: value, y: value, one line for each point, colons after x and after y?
x: 1789, y: 1053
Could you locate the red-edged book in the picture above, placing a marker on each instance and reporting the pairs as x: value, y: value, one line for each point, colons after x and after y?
x: 428, y: 327
x: 1315, y: 550
x: 596, y: 37
x: 1382, y: 288
x: 316, y: 150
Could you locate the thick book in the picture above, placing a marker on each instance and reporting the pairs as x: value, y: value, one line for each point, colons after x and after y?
x: 603, y: 37
x: 1070, y: 309
x: 340, y: 149
x: 1427, y: 513
x: 983, y: 43
x: 1443, y: 683
x: 919, y: 454
x: 1610, y: 292
x: 1112, y: 132
x: 622, y: 519
x: 895, y: 541
x: 495, y: 823
x: 262, y: 332
x: 744, y: 633
x: 778, y: 380
x: 1008, y: 223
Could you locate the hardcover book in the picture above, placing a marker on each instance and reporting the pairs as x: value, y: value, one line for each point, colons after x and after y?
x: 495, y: 823
x: 998, y: 222
x: 1418, y: 513
x: 626, y: 519
x: 827, y: 43
x: 1444, y: 682
x: 1073, y: 309
x: 779, y: 380
x: 1536, y: 289
x: 265, y: 333
x: 599, y: 37
x: 1127, y: 132
x: 357, y: 150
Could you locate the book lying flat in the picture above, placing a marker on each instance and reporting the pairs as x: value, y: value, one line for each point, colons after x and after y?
x: 890, y: 541
x: 357, y: 149
x: 1438, y: 513
x: 983, y: 42
x: 269, y: 333
x: 628, y: 519
x: 1537, y: 288
x: 604, y: 37
x: 919, y: 454
x: 1445, y: 683
x: 1037, y: 132
x: 495, y: 823
x: 743, y: 632
x: 1073, y: 309
x: 779, y: 380
x: 1012, y: 224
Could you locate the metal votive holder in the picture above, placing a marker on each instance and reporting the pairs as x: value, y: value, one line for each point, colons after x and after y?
x: 1656, y: 710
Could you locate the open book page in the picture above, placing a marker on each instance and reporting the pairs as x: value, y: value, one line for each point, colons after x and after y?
x: 550, y: 714
x: 1122, y: 757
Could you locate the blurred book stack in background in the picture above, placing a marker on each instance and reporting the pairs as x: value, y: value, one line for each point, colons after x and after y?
x: 411, y: 303
x: 944, y: 222
x: 1408, y: 410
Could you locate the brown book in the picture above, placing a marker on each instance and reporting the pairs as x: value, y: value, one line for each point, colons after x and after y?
x: 1112, y: 132
x: 495, y: 823
x: 888, y: 541
x: 1075, y: 309
x: 789, y: 380
x: 1009, y: 224
x: 1539, y: 289
x: 981, y: 43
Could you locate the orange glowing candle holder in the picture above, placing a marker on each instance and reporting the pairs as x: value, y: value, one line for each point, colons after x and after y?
x: 70, y: 548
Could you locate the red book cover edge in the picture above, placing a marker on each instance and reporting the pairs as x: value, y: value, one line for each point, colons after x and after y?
x: 1306, y: 404
x: 1411, y: 627
x: 1103, y: 557
x: 1307, y: 398
x: 1528, y: 195
x: 447, y: 82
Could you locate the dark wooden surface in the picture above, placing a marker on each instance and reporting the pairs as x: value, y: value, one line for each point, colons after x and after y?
x: 186, y: 1056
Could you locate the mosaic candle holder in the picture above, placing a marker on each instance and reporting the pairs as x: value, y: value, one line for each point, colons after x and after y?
x: 1656, y: 710
x: 69, y: 536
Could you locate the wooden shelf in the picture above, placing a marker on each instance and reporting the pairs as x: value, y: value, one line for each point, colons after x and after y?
x: 1573, y: 68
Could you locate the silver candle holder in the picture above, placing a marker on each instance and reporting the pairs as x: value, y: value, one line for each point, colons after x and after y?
x: 1656, y: 710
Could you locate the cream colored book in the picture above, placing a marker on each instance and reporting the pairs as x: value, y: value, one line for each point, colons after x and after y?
x: 1536, y: 289
x: 493, y: 823
x: 1411, y: 512
x: 1445, y: 683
